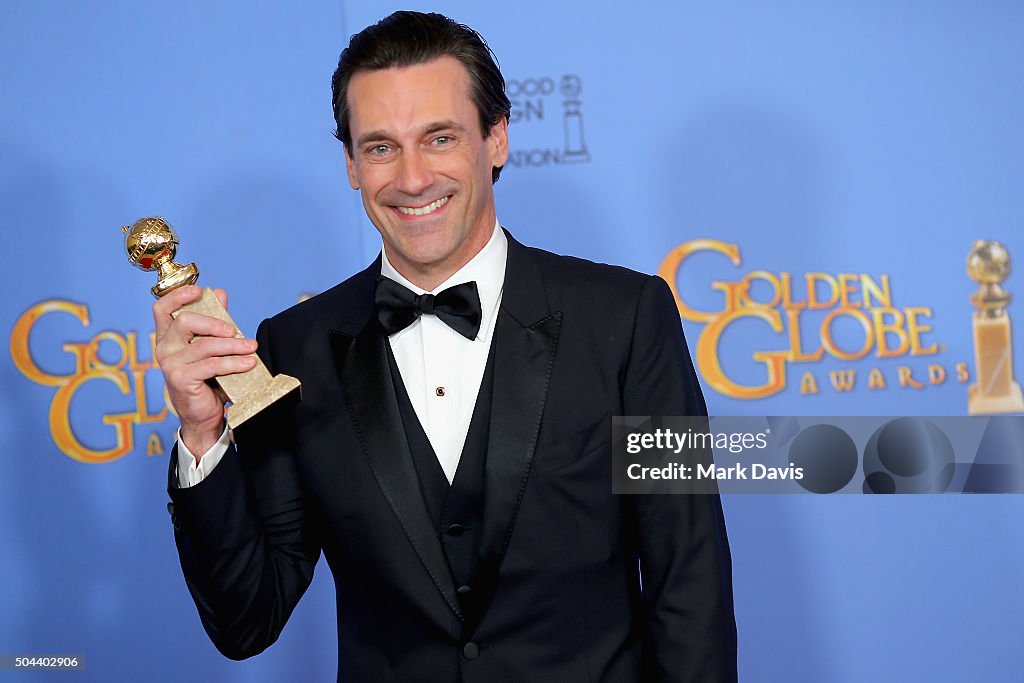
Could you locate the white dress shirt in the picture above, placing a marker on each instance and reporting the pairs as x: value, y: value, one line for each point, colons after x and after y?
x: 441, y: 369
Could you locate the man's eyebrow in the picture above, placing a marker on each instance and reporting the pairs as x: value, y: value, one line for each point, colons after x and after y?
x: 373, y: 136
x: 443, y: 125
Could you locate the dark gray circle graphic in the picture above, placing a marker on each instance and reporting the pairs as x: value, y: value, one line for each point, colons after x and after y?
x: 904, y: 446
x: 879, y: 482
x: 908, y: 455
x: 827, y: 455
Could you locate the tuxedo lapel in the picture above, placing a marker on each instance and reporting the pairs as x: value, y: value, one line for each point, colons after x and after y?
x: 361, y: 362
x: 525, y: 340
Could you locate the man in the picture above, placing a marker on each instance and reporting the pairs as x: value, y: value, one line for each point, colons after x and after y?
x: 451, y: 452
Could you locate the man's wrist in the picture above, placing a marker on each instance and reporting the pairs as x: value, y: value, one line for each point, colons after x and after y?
x: 199, y: 440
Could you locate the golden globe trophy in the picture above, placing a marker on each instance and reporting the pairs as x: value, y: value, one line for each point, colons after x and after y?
x: 995, y: 391
x: 151, y: 244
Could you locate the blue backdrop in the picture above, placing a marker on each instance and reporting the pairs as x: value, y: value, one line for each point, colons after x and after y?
x: 867, y: 145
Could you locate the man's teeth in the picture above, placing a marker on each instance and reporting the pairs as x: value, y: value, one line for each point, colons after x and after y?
x: 423, y: 210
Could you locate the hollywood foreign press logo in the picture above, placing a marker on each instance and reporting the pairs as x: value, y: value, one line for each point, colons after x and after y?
x: 547, y: 113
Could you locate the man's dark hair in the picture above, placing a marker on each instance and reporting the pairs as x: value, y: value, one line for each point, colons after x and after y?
x: 407, y: 38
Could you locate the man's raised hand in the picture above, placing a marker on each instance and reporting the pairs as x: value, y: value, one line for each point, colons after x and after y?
x: 192, y: 349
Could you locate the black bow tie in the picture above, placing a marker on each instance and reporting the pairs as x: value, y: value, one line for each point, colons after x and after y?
x: 398, y: 307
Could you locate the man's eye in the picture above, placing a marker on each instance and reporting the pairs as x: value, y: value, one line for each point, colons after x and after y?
x: 379, y: 150
x: 442, y: 140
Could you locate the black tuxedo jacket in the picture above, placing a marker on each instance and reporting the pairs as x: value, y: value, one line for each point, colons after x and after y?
x: 558, y: 583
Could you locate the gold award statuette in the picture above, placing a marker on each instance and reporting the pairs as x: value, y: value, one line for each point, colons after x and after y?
x: 151, y: 244
x: 995, y: 391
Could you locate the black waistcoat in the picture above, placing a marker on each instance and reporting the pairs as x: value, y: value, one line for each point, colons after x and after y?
x: 455, y: 509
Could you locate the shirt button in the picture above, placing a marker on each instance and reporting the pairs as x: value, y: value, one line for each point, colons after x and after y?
x: 471, y: 650
x: 464, y: 590
x: 455, y: 530
x: 439, y: 391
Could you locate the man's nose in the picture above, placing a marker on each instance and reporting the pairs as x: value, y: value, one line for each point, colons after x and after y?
x: 414, y: 174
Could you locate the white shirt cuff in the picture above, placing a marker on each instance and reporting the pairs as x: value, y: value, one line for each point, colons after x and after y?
x: 191, y: 472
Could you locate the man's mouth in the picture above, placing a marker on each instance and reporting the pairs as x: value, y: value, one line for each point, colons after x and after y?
x: 423, y: 210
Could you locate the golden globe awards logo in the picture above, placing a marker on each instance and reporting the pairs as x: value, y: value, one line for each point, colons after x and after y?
x: 548, y: 111
x: 124, y: 375
x: 811, y: 306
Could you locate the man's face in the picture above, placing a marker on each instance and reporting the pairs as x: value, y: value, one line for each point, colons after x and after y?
x: 423, y: 165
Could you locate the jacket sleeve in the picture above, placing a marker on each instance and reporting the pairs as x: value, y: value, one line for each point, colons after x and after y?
x: 685, y: 565
x: 245, y: 540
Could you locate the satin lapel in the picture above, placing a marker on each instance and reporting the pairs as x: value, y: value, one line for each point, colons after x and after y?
x: 370, y: 397
x: 526, y: 337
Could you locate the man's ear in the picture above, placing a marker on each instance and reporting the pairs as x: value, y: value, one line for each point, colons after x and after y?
x: 350, y: 168
x: 498, y: 142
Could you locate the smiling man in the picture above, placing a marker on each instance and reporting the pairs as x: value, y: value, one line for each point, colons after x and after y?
x: 451, y: 455
x: 423, y: 165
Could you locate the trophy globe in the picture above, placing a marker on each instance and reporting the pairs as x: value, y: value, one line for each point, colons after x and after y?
x: 151, y: 244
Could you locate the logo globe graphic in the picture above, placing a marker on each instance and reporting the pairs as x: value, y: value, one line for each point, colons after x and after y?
x: 988, y: 263
x: 570, y: 86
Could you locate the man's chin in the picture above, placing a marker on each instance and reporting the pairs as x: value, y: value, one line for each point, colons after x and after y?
x: 420, y: 258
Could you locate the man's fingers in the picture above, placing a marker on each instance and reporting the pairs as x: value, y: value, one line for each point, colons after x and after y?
x: 187, y: 327
x: 171, y: 302
x: 207, y: 347
x: 188, y: 375
x: 223, y: 365
x: 198, y: 324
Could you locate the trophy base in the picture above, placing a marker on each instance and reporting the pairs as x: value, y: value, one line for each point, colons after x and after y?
x: 260, y: 397
x: 1013, y: 402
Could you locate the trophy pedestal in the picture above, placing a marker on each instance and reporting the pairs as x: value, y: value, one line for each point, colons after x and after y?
x: 995, y: 391
x: 251, y: 391
x: 185, y: 275
x: 258, y: 395
x: 978, y: 404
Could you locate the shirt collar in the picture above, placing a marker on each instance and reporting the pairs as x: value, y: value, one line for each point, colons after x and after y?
x: 487, y: 269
